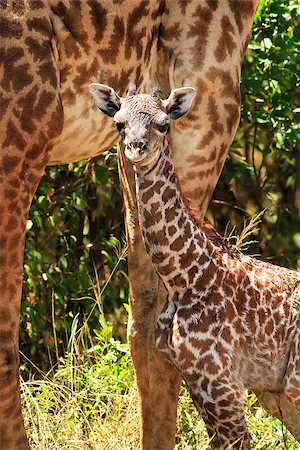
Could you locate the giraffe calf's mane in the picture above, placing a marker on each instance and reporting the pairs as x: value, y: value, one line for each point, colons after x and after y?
x: 210, y: 231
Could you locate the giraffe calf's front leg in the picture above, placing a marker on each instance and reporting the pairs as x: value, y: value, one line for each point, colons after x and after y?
x: 220, y: 404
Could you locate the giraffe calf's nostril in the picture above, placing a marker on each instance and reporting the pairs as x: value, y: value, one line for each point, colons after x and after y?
x: 142, y: 148
x: 139, y: 147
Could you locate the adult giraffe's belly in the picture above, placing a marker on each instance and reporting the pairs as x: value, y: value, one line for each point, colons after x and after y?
x: 86, y: 133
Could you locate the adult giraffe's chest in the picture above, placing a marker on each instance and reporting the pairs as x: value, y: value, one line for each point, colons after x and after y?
x: 98, y: 41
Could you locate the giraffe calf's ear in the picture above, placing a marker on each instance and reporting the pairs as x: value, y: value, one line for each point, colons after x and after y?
x: 106, y: 98
x: 179, y: 102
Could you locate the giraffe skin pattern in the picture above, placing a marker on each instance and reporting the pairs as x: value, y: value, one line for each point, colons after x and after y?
x: 51, y: 50
x: 230, y: 322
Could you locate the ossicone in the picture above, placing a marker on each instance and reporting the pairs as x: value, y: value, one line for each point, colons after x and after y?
x: 156, y: 92
x: 131, y: 89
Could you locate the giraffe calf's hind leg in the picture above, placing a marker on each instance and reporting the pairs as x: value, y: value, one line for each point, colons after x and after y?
x: 285, y: 405
x: 280, y: 406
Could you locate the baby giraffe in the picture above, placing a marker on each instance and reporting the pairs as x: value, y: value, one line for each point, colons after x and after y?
x: 231, y: 322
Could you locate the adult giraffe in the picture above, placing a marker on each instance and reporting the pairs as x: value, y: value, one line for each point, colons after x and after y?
x: 50, y: 52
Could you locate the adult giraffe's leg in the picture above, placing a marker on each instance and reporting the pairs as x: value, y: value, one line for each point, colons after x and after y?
x: 205, y: 52
x: 157, y: 380
x: 31, y: 120
x: 279, y: 405
x: 19, y: 179
x: 285, y: 405
x: 16, y: 198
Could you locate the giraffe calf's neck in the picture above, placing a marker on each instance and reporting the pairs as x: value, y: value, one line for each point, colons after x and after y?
x: 179, y: 249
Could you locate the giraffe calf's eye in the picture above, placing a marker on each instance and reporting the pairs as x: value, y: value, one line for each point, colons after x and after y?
x: 164, y: 128
x: 120, y: 126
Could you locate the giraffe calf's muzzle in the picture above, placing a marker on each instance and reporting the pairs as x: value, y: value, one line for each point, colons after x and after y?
x: 136, y: 151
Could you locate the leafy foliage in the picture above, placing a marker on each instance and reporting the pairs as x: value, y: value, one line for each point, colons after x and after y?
x: 74, y: 236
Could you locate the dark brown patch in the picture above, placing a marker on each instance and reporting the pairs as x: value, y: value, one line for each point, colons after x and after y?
x: 177, y: 244
x: 134, y: 32
x: 145, y: 184
x: 151, y: 218
x: 179, y: 281
x: 172, y: 230
x: 200, y: 30
x: 123, y: 79
x: 162, y: 238
x: 98, y: 15
x: 233, y: 116
x: 206, y: 140
x: 72, y: 19
x: 185, y: 354
x: 16, y: 76
x: 158, y: 186
x: 110, y: 53
x: 6, y: 337
x: 38, y: 50
x: 146, y: 196
x: 36, y: 4
x: 226, y: 43
x: 168, y: 268
x: 34, y: 152
x: 11, y: 224
x: 159, y: 257
x: 41, y: 25
x: 206, y: 277
x: 47, y: 73
x: 186, y: 258
x: 202, y: 159
x: 202, y: 259
x: 214, y: 116
x: 192, y: 273
x: 183, y: 5
x: 230, y: 88
x: 242, y: 9
x: 168, y: 194
x: 187, y: 232
x: 170, y: 214
x: 166, y: 33
x: 10, y: 163
x: 10, y: 28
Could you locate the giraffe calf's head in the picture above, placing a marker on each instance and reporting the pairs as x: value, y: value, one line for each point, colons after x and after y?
x: 143, y: 120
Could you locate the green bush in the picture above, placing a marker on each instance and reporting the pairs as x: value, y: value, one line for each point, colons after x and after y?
x: 75, y: 240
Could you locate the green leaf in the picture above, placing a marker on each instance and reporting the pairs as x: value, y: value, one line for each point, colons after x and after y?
x: 63, y: 262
